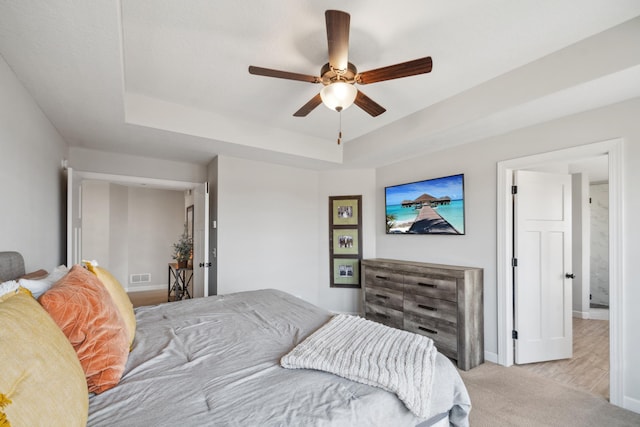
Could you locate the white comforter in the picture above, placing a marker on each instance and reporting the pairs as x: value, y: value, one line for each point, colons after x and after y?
x: 216, y: 361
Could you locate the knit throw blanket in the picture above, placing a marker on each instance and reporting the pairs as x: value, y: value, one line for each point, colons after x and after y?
x: 370, y: 353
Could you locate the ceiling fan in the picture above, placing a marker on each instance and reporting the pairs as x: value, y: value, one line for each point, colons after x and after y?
x: 339, y: 76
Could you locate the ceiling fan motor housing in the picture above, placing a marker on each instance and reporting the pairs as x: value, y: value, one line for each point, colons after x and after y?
x: 330, y: 75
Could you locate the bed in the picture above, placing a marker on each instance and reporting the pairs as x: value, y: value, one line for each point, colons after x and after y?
x: 217, y: 361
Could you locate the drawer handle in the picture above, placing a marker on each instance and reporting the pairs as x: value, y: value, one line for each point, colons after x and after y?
x: 384, y: 316
x: 382, y: 296
x: 426, y: 307
x: 428, y: 285
x: 382, y: 277
x: 431, y: 331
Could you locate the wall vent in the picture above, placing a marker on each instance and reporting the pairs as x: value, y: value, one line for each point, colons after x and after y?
x: 140, y: 278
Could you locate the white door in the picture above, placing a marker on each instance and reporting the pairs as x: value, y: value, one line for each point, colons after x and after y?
x: 542, y: 252
x: 74, y: 218
x: 201, y: 241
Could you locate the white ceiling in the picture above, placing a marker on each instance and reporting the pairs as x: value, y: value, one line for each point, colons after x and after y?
x: 169, y: 79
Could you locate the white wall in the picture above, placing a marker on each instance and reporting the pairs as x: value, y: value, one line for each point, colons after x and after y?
x: 95, y: 221
x: 87, y: 160
x: 267, y: 228
x: 273, y: 229
x: 33, y: 202
x: 478, y: 247
x: 119, y: 250
x: 131, y: 230
x: 155, y: 221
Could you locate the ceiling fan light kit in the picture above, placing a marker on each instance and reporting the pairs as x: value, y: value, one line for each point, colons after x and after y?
x: 338, y: 96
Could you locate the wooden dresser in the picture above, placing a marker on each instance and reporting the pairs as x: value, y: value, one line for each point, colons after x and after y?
x: 443, y: 302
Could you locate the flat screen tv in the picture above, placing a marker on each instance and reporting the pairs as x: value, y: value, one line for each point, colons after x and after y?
x: 432, y: 206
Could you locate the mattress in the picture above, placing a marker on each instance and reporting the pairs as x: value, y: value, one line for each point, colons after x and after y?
x: 216, y: 361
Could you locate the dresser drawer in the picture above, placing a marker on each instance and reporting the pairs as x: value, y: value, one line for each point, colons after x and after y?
x: 422, y: 306
x: 381, y: 278
x: 384, y: 297
x: 432, y: 286
x: 443, y: 333
x: 385, y: 315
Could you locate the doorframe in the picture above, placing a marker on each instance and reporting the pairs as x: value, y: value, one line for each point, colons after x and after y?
x: 74, y: 247
x: 614, y: 149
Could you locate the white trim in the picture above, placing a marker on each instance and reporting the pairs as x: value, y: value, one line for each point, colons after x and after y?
x: 598, y: 314
x: 614, y: 149
x: 631, y: 404
x: 616, y: 273
x: 581, y: 314
x: 142, y: 288
x: 165, y: 184
x: 490, y: 356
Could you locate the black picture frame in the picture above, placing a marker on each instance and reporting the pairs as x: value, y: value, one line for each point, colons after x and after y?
x: 345, y: 241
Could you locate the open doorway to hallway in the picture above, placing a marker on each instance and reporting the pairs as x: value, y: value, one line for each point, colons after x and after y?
x: 588, y: 367
x: 613, y: 149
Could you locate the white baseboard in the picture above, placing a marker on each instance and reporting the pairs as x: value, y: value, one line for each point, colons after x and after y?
x: 151, y: 287
x: 631, y: 404
x: 593, y: 314
x: 599, y: 314
x: 491, y: 357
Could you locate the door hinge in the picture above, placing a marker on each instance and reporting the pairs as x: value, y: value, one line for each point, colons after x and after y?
x: 514, y: 189
x: 514, y: 262
x: 514, y: 334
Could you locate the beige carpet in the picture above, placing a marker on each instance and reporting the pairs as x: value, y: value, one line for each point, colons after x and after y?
x: 515, y: 397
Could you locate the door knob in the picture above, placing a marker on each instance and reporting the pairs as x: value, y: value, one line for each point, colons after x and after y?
x: 570, y: 276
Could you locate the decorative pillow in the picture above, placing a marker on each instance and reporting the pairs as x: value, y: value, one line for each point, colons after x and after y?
x: 119, y: 296
x: 8, y: 289
x: 41, y: 380
x: 40, y: 286
x: 84, y: 310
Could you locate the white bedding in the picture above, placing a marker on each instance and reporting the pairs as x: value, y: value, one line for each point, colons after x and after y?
x: 215, y: 361
x: 371, y: 353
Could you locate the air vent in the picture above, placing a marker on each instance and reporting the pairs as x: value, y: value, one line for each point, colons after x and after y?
x: 140, y: 278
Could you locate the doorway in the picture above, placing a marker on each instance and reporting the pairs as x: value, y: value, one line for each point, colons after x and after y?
x: 613, y: 149
x: 200, y: 201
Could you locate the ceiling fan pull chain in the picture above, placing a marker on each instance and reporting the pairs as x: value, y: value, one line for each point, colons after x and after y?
x: 340, y: 130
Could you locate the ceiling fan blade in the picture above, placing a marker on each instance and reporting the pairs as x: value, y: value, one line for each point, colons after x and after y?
x: 309, y: 106
x: 404, y: 69
x: 338, y: 38
x: 368, y: 104
x: 259, y: 71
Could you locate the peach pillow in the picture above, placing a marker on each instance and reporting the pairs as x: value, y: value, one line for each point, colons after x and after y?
x: 84, y: 310
x: 119, y: 296
x: 41, y: 380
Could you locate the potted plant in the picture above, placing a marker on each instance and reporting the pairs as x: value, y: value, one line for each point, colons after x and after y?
x: 182, y: 249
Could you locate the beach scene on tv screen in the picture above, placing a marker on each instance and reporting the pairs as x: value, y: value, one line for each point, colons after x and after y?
x: 434, y: 206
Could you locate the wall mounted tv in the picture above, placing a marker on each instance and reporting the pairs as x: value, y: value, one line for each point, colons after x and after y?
x: 432, y: 206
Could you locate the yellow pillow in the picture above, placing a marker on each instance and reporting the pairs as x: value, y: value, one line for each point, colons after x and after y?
x: 119, y: 297
x: 41, y: 380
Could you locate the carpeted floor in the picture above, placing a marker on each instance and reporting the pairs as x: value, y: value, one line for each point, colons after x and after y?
x: 515, y: 397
